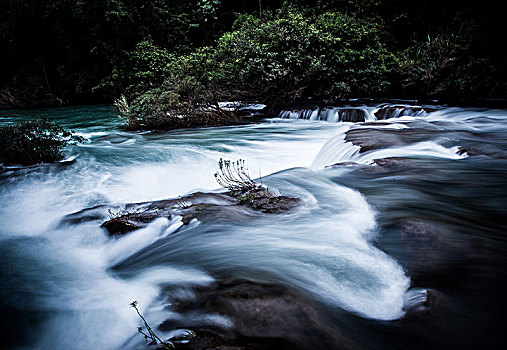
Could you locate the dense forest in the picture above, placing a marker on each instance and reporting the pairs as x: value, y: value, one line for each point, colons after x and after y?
x: 174, y: 55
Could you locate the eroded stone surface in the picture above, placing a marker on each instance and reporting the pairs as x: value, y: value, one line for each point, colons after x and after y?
x: 263, y: 316
x: 205, y: 207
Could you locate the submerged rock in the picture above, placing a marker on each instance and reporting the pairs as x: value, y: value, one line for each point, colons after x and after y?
x: 394, y: 163
x: 371, y: 139
x: 433, y: 249
x: 263, y: 316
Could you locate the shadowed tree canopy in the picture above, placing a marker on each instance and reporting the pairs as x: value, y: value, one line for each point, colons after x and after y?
x: 57, y: 52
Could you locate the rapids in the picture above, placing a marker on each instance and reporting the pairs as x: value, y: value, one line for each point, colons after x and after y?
x: 348, y: 248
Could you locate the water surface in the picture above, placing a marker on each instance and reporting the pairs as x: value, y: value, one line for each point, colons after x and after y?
x: 366, y: 244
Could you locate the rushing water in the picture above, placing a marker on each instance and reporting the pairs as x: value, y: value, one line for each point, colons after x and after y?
x: 366, y: 244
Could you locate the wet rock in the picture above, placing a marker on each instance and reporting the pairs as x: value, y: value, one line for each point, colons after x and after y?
x: 435, y: 304
x: 85, y: 215
x: 205, y: 207
x: 433, y: 251
x: 119, y: 226
x: 393, y: 163
x: 211, y: 340
x: 342, y: 164
x: 124, y: 223
x: 202, y: 206
x: 274, y: 205
x: 264, y: 317
x: 472, y: 152
x: 371, y: 139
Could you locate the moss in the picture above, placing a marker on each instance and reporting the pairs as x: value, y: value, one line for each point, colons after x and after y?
x: 246, y: 199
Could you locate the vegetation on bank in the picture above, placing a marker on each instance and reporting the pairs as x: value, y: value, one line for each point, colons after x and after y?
x: 174, y: 60
x: 33, y: 142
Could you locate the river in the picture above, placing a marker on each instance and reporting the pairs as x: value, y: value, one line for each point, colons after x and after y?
x: 368, y: 244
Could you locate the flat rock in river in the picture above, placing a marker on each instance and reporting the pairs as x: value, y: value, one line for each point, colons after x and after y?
x: 264, y: 317
x: 205, y: 207
x: 371, y: 139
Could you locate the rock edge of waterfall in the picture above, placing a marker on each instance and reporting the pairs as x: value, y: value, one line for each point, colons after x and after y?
x: 205, y: 207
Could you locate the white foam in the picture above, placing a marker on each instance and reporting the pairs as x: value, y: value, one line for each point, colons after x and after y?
x: 336, y: 150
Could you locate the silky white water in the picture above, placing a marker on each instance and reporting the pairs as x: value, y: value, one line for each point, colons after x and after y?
x: 79, y: 282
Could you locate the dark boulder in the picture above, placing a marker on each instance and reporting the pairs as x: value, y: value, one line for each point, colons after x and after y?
x: 264, y: 317
x: 205, y: 207
x: 119, y: 226
x: 433, y: 250
x: 264, y: 201
x: 371, y: 139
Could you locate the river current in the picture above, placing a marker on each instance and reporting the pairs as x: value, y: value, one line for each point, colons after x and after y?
x: 368, y: 243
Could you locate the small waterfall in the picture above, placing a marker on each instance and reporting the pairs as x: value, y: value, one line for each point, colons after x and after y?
x: 300, y: 114
x: 336, y: 150
x: 356, y: 114
x: 330, y: 114
x: 396, y: 111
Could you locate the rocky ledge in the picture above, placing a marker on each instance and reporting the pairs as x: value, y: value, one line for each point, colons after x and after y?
x: 205, y: 207
x: 369, y: 139
x: 264, y: 316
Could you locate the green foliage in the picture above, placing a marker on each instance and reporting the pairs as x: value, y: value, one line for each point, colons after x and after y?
x: 56, y: 52
x: 287, y: 56
x: 283, y: 57
x: 448, y: 65
x: 185, y: 98
x: 94, y: 51
x: 35, y: 141
x: 122, y: 107
x: 246, y: 199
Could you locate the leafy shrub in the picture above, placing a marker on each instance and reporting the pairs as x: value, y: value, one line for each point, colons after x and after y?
x: 450, y: 64
x: 288, y: 55
x: 283, y: 57
x: 186, y: 98
x: 34, y: 141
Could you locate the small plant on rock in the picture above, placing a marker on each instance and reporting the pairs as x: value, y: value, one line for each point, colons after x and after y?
x: 122, y: 214
x: 246, y: 198
x: 234, y: 177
